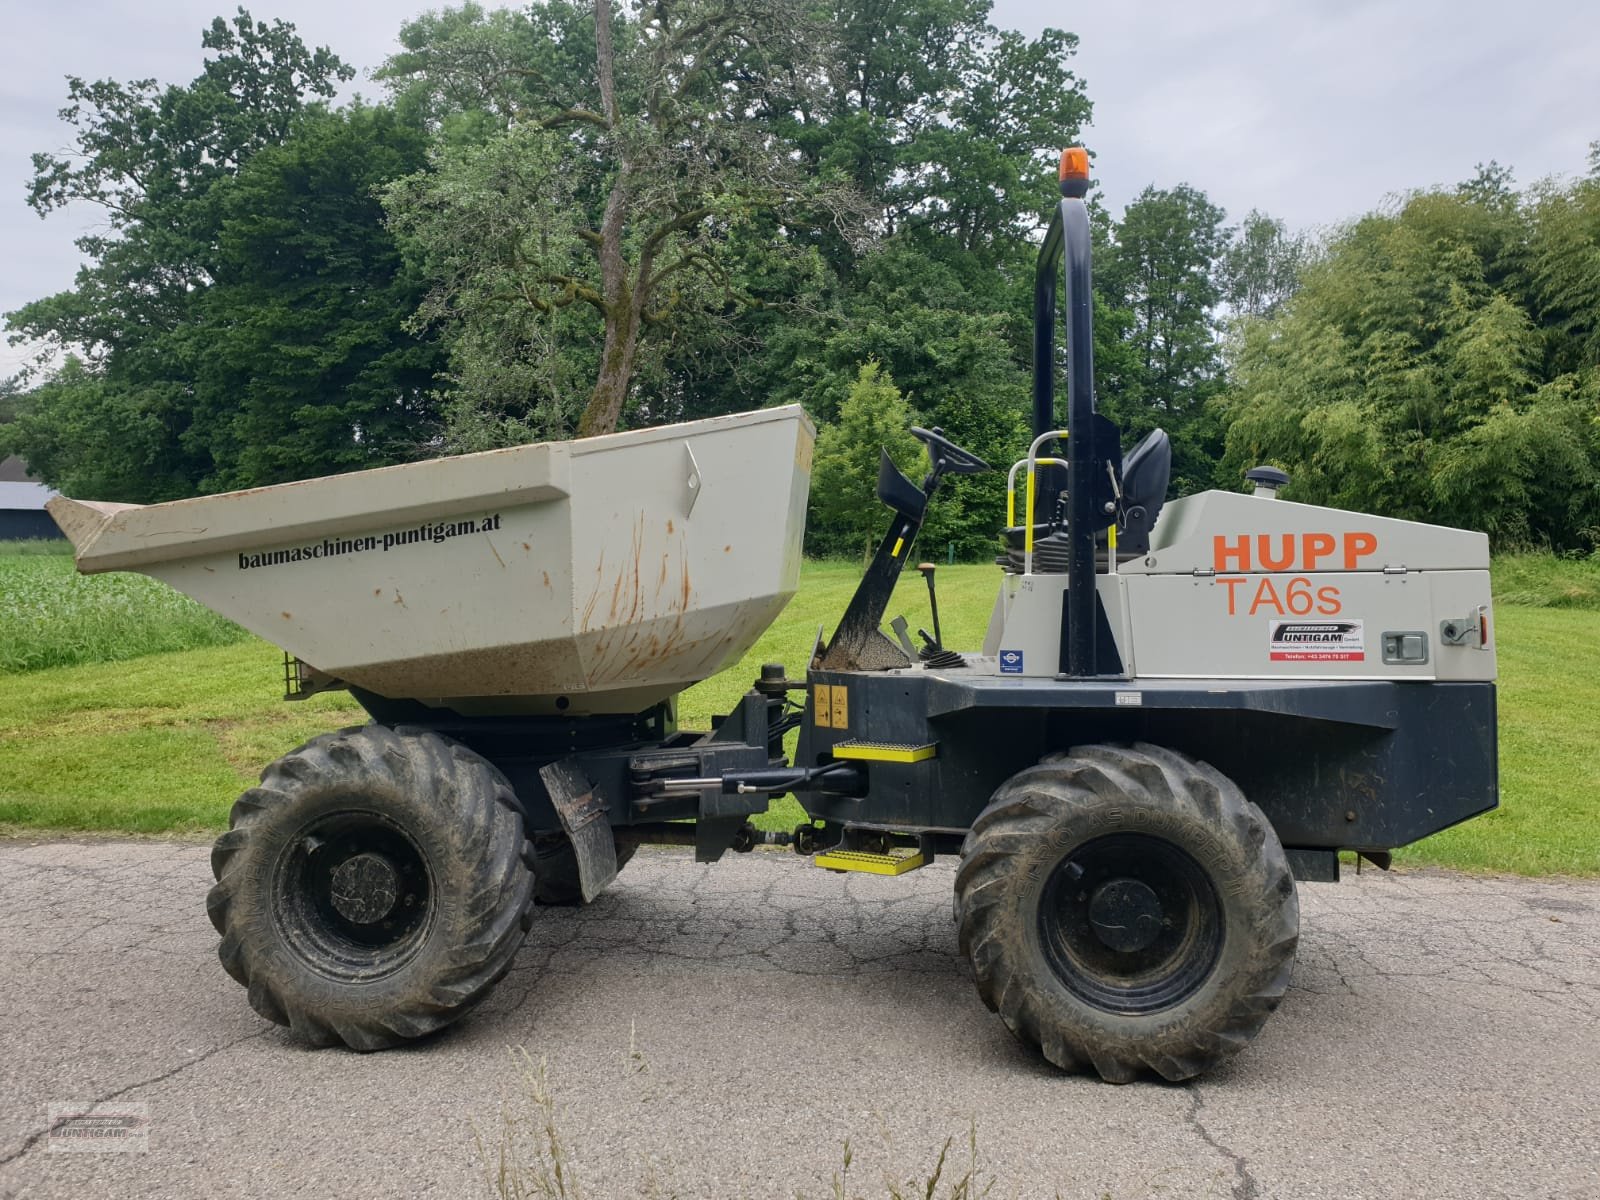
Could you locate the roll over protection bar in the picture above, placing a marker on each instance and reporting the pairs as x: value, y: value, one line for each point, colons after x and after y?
x: 1066, y: 248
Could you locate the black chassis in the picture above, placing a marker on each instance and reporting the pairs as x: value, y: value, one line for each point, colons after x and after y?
x: 1355, y: 765
x: 623, y: 760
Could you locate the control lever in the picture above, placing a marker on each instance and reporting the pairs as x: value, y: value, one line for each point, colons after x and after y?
x: 899, y: 627
x: 927, y: 569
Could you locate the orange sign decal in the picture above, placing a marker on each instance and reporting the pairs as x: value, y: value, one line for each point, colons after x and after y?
x: 1297, y: 598
x: 1246, y: 552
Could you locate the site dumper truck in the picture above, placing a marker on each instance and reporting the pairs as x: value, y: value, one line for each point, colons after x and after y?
x: 1180, y: 707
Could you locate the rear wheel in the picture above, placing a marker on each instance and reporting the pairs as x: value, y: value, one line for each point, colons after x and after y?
x: 1125, y: 908
x: 373, y: 888
x: 556, y: 868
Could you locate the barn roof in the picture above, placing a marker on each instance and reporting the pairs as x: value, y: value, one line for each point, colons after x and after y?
x: 29, y: 497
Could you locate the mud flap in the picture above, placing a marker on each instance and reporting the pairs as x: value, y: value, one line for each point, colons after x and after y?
x: 583, y: 816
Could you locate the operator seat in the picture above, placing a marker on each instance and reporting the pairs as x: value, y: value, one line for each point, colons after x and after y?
x: 1146, y: 474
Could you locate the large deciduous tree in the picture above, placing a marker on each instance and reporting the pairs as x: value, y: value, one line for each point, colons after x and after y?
x: 239, y: 321
x: 625, y: 152
x: 148, y: 155
x: 1260, y: 268
x: 1160, y: 272
x: 303, y: 364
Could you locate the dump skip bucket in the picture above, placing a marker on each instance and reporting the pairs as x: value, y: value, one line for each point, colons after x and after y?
x: 596, y: 576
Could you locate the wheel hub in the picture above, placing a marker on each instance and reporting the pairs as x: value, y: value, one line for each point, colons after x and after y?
x: 1130, y: 923
x: 365, y: 888
x: 1126, y: 915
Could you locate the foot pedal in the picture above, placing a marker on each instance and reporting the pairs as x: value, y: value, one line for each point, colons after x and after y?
x: 896, y: 862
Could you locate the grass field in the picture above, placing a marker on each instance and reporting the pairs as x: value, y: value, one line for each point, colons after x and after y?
x: 50, y: 616
x: 162, y: 742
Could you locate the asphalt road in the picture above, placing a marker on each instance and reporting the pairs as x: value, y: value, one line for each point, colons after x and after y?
x: 724, y: 1031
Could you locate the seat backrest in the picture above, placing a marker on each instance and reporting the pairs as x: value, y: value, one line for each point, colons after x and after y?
x: 1146, y: 473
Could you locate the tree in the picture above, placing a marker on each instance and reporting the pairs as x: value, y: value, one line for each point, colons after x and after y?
x: 303, y: 365
x: 1161, y: 270
x: 1433, y: 366
x: 170, y: 324
x: 950, y: 355
x: 631, y: 150
x: 950, y: 125
x: 1261, y: 266
x: 148, y: 156
x: 845, y: 469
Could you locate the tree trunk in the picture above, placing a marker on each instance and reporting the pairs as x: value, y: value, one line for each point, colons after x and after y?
x: 610, y: 393
x: 622, y: 302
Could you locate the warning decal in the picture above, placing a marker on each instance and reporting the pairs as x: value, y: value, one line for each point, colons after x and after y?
x: 1317, y: 641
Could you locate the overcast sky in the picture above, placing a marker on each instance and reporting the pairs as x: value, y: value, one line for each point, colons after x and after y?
x: 1312, y: 110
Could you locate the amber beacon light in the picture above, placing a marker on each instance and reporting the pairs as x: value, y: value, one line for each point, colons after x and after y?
x: 1074, y: 171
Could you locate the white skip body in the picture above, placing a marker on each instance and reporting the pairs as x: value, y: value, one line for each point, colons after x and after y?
x: 595, y: 576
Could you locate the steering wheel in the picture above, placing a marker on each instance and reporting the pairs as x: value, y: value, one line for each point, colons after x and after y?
x: 946, y: 456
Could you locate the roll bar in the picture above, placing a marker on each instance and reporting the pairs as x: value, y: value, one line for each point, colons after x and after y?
x: 1066, y: 250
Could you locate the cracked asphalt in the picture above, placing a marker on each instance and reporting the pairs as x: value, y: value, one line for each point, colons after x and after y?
x: 723, y: 1031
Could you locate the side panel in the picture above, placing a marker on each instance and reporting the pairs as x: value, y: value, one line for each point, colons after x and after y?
x: 1246, y: 626
x: 1365, y: 765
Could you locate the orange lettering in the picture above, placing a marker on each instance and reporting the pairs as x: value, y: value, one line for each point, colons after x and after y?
x: 1328, y: 601
x: 1266, y: 594
x: 1264, y: 552
x: 1239, y: 552
x: 1232, y: 582
x: 1314, y: 548
x: 1358, y: 546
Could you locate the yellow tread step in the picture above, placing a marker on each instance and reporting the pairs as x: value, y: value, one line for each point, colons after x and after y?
x: 884, y: 751
x: 895, y: 863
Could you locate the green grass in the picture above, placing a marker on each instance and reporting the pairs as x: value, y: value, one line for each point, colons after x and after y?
x: 1545, y: 581
x: 50, y: 616
x: 1548, y: 821
x: 163, y: 742
x: 57, y: 547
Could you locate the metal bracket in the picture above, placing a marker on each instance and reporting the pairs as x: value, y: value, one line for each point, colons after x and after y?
x: 693, y: 481
x: 899, y: 627
x: 301, y: 680
x: 1463, y: 631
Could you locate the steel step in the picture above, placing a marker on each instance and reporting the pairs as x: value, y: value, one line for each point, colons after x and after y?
x: 885, y: 751
x: 896, y: 862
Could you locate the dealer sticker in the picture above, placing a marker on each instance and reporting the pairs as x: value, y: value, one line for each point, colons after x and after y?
x: 1317, y: 641
x: 1011, y: 662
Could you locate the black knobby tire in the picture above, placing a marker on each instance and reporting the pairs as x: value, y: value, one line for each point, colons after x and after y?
x: 556, y: 868
x: 374, y: 887
x: 1124, y: 908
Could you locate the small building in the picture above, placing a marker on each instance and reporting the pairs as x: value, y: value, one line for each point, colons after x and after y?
x: 22, y: 501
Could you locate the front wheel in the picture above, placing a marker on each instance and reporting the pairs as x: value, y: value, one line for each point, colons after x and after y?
x: 1126, y: 908
x: 373, y: 888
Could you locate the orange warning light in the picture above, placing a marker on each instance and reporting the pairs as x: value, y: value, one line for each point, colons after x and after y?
x: 1074, y: 163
